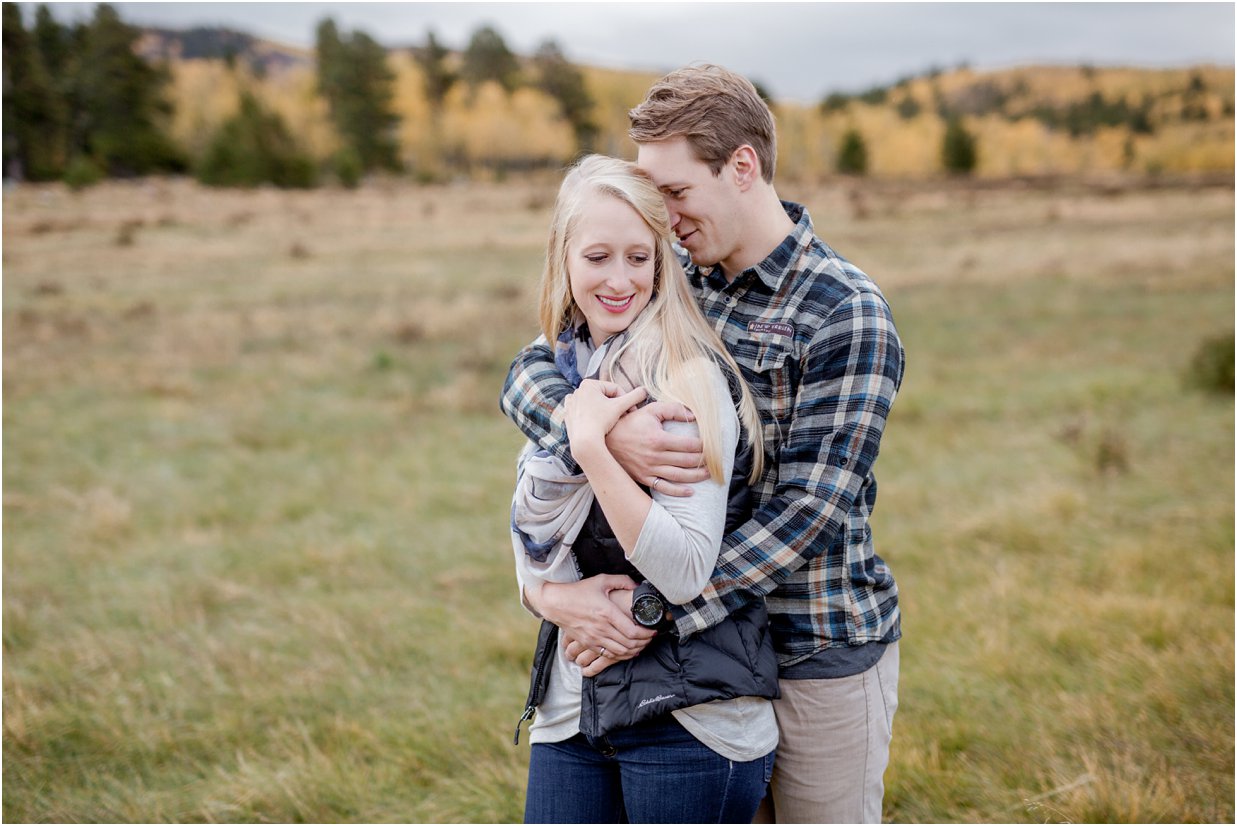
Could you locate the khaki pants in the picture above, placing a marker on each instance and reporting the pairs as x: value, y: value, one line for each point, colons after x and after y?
x: 834, y: 747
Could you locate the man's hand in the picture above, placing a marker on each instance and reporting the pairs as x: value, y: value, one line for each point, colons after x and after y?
x: 663, y: 461
x: 585, y: 611
x: 591, y: 662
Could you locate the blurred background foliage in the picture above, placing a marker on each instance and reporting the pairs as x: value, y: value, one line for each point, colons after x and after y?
x: 102, y: 98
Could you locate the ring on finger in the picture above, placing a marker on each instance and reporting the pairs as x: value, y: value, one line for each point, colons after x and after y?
x: 653, y: 484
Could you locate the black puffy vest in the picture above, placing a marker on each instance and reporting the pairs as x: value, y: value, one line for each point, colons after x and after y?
x: 734, y: 658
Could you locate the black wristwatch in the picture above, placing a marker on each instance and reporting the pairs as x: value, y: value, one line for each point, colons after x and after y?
x: 648, y: 607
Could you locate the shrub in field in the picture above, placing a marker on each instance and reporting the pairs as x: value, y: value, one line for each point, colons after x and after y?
x: 835, y: 102
x: 1211, y: 368
x: 908, y: 107
x: 853, y: 154
x: 81, y: 173
x: 255, y: 147
x: 958, y: 149
x: 348, y: 168
x: 1112, y: 453
x: 127, y: 233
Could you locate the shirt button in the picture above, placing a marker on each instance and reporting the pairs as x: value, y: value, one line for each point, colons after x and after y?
x: 730, y: 302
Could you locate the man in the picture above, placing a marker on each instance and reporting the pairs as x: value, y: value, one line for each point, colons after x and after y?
x: 816, y: 341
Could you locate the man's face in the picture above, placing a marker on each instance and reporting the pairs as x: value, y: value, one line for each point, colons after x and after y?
x: 703, y: 207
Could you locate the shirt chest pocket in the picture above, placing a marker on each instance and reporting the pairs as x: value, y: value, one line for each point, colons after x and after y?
x: 774, y: 369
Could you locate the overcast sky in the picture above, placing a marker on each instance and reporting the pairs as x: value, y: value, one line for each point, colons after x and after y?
x: 798, y: 51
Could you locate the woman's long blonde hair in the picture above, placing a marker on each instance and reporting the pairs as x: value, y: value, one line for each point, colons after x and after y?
x: 670, y: 347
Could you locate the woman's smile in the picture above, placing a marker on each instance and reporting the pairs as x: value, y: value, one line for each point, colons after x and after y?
x: 616, y: 305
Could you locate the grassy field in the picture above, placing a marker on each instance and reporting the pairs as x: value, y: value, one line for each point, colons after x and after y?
x: 255, y: 492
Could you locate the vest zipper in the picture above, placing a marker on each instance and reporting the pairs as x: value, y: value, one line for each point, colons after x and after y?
x: 590, y: 685
x: 528, y: 714
x: 539, y: 678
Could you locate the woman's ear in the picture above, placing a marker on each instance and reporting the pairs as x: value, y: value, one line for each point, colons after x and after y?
x: 745, y: 166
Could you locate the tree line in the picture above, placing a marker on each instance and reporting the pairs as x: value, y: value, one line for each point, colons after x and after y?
x: 80, y: 104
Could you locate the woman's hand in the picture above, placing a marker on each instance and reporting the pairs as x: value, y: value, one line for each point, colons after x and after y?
x: 594, y: 408
x: 592, y: 663
x: 593, y: 612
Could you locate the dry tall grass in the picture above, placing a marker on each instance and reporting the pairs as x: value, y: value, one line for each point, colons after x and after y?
x: 256, y: 485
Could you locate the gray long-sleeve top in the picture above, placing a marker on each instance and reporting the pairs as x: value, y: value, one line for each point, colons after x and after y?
x: 676, y: 551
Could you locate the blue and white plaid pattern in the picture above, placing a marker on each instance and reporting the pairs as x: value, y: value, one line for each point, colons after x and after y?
x: 816, y: 342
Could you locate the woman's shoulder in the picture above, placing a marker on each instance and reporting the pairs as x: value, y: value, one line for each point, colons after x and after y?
x: 722, y: 383
x: 703, y: 368
x: 710, y: 379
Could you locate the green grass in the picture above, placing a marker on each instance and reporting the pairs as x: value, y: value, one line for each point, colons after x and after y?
x: 256, y: 565
x: 1057, y: 506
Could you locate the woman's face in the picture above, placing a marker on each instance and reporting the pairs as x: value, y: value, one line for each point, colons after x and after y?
x: 610, y: 264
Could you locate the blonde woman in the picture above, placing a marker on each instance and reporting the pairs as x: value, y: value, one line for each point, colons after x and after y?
x: 662, y: 729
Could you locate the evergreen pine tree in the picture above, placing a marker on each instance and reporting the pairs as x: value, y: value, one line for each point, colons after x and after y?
x: 438, y: 78
x: 853, y: 154
x: 488, y: 58
x: 359, y: 89
x: 959, y: 152
x: 331, y: 62
x: 565, y: 83
x: 34, y: 113
x: 52, y: 41
x: 122, y: 110
x: 371, y: 117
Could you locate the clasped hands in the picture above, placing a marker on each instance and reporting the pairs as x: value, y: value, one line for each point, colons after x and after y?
x: 594, y: 615
x: 635, y: 436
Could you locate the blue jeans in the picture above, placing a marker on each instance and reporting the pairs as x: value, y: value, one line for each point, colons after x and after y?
x: 652, y: 772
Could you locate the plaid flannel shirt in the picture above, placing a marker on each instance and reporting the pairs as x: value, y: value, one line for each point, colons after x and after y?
x: 816, y: 342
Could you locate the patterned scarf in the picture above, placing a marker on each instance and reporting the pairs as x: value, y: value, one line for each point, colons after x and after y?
x: 551, y: 503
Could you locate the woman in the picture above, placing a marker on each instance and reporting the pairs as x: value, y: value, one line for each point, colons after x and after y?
x: 683, y: 732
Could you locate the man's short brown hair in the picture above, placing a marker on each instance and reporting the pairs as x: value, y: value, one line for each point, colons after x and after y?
x: 715, y: 109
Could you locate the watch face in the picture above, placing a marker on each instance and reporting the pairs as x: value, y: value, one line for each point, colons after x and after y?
x: 647, y: 609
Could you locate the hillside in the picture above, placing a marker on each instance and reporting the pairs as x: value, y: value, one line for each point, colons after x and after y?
x: 1052, y: 119
x: 208, y: 43
x: 1028, y: 121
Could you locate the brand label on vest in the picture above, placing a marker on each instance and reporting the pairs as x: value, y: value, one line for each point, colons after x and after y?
x: 656, y: 699
x: 779, y: 328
